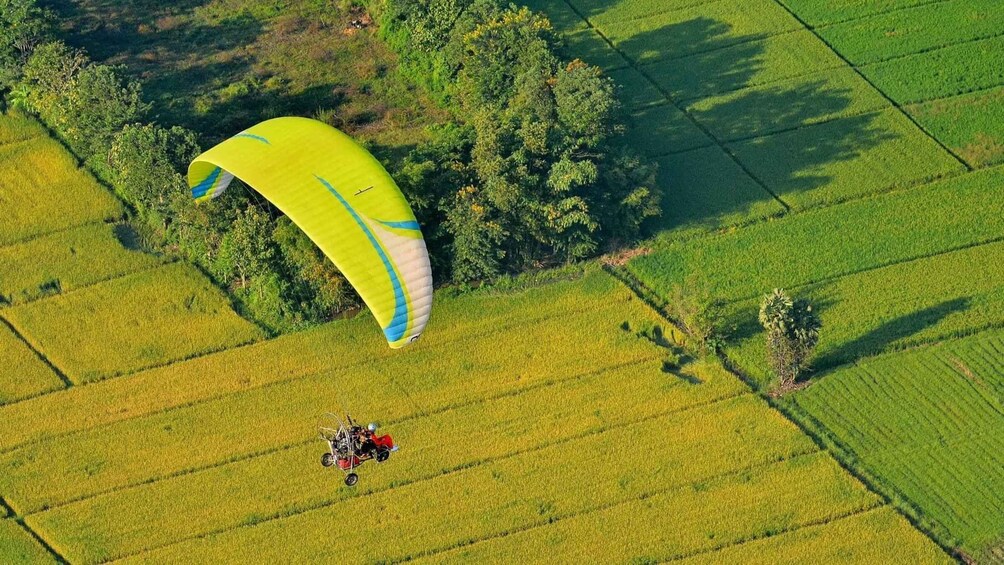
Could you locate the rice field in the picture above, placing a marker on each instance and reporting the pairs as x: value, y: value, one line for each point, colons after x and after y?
x: 131, y: 323
x: 15, y: 127
x: 928, y: 423
x: 17, y: 545
x: 819, y: 12
x: 971, y: 125
x: 26, y: 374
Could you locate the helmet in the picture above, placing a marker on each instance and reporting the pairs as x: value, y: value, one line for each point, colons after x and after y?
x: 372, y: 427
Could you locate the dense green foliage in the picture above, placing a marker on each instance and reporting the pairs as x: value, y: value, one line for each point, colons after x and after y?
x: 792, y: 330
x: 23, y: 24
x: 534, y: 171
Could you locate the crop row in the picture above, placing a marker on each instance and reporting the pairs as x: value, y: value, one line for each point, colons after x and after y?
x: 935, y: 74
x: 341, y: 344
x: 17, y: 545
x: 875, y: 536
x: 233, y: 426
x: 292, y: 480
x: 131, y: 323
x: 802, y: 248
x: 846, y: 158
x: 73, y: 258
x: 603, y: 12
x: 820, y: 12
x: 705, y: 190
x: 931, y: 422
x: 921, y: 28
x: 43, y: 190
x: 710, y: 26
x: 565, y: 480
x: 579, y: 502
x: 971, y: 125
x: 24, y: 374
x: 805, y: 100
x: 753, y: 63
x: 898, y: 306
x: 15, y: 127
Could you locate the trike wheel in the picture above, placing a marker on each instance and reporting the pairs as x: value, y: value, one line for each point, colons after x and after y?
x: 382, y: 455
x: 351, y: 479
x: 327, y: 460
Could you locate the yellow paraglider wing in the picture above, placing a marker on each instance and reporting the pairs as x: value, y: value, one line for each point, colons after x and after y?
x: 344, y: 200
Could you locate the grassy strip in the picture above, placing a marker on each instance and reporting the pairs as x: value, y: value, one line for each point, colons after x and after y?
x: 749, y: 64
x: 802, y: 101
x: 711, y: 26
x: 971, y: 125
x: 844, y: 159
x: 799, y: 248
x: 926, y: 422
x: 706, y: 515
x: 43, y: 190
x: 226, y: 428
x: 918, y: 29
x: 938, y: 74
x: 290, y: 481
x: 132, y: 323
x: 341, y: 344
x: 662, y: 129
x: 526, y: 490
x: 877, y: 536
x: 603, y: 12
x: 17, y: 545
x: 24, y: 374
x: 15, y: 127
x: 635, y: 90
x: 705, y: 190
x: 73, y: 258
x: 820, y: 12
x: 898, y: 306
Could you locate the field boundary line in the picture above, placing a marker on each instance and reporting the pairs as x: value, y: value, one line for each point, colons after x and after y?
x: 872, y: 15
x: 875, y: 87
x: 956, y: 95
x: 67, y: 383
x: 489, y: 460
x: 211, y: 398
x: 925, y: 50
x: 780, y: 532
x: 658, y: 12
x: 301, y: 442
x: 750, y: 86
x: 634, y: 64
x: 19, y: 520
x: 166, y: 261
x: 600, y: 508
x: 752, y: 38
x: 57, y: 231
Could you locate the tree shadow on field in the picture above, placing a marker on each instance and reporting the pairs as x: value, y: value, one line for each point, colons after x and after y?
x: 713, y: 77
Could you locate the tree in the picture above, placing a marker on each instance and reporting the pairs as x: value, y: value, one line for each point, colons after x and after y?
x: 247, y: 249
x: 693, y: 305
x: 792, y: 334
x: 23, y: 26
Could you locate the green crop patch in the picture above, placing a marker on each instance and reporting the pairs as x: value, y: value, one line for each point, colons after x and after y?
x: 941, y: 73
x: 662, y: 129
x: 565, y: 479
x: 704, y: 190
x: 802, y: 101
x: 820, y: 12
x: 593, y: 49
x: 634, y: 89
x: 23, y: 373
x: 604, y: 11
x: 292, y: 480
x: 844, y: 159
x: 875, y: 536
x: 562, y: 16
x: 343, y: 344
x: 971, y: 125
x: 43, y: 190
x: 797, y: 249
x: 718, y: 512
x: 15, y: 127
x: 142, y: 449
x: 710, y: 26
x: 740, y: 66
x: 927, y: 423
x: 17, y: 545
x: 903, y: 305
x: 131, y: 323
x: 921, y: 28
x: 67, y: 260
